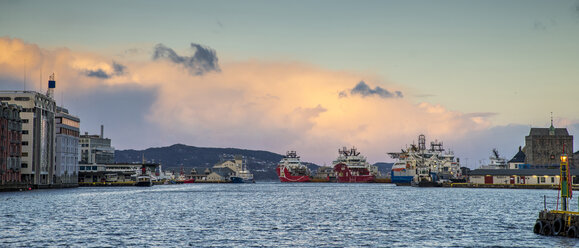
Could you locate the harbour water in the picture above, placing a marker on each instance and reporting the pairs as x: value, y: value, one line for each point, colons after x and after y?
x: 274, y: 215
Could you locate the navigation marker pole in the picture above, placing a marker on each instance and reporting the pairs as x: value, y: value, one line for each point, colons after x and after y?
x: 565, y: 189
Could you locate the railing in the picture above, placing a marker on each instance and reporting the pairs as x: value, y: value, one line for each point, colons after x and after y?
x: 554, y: 203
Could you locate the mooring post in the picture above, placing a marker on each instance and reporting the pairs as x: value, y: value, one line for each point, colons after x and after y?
x: 545, y: 201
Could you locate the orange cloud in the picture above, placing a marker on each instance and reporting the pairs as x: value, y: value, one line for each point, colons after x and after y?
x: 275, y: 106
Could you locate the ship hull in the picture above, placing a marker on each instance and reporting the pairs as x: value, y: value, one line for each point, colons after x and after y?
x: 357, y: 179
x: 285, y: 176
x: 241, y: 180
x: 351, y: 175
x: 402, y: 180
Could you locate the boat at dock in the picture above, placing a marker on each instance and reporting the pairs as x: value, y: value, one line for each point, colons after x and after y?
x: 290, y: 169
x: 422, y: 167
x: 351, y: 167
x: 144, y: 179
x: 243, y: 175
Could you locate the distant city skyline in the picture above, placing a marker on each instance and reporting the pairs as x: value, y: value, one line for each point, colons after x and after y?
x: 306, y: 76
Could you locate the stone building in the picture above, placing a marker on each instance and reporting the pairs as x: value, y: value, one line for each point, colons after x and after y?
x: 67, y: 148
x: 38, y: 131
x: 544, y: 146
x: 96, y: 149
x: 10, y: 146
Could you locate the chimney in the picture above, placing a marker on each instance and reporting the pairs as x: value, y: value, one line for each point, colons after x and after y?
x: 102, y: 132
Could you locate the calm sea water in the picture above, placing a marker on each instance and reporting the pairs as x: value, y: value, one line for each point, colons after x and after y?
x: 274, y: 215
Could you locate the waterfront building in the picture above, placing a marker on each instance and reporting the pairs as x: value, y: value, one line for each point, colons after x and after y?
x: 520, y: 176
x: 117, y: 172
x: 215, y: 174
x: 10, y: 145
x: 235, y: 165
x: 518, y: 161
x: 38, y: 129
x: 544, y: 146
x: 96, y: 149
x: 66, y: 144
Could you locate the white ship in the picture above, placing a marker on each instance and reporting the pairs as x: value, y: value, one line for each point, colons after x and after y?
x: 424, y: 167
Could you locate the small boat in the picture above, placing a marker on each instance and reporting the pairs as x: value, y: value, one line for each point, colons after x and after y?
x: 144, y: 180
x: 243, y: 175
x: 242, y: 180
x: 192, y: 180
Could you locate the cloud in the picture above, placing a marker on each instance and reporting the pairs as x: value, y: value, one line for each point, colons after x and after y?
x: 364, y: 90
x: 116, y: 69
x: 204, y: 60
x: 99, y: 73
x: 274, y: 105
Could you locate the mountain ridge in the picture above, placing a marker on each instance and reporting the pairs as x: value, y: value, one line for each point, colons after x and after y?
x: 180, y: 156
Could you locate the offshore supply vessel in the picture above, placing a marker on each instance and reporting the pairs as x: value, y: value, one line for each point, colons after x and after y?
x: 351, y: 167
x: 419, y: 166
x: 290, y: 169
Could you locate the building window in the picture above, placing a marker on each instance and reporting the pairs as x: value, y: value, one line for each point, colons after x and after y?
x: 24, y: 131
x: 24, y: 143
x: 21, y: 98
x: 24, y: 120
x: 542, y: 179
x: 24, y: 154
x: 552, y: 179
x: 24, y: 165
x: 5, y: 98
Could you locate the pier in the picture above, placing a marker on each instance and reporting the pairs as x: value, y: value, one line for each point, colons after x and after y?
x: 561, y: 222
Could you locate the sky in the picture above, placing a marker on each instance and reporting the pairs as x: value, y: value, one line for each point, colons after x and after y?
x: 310, y: 76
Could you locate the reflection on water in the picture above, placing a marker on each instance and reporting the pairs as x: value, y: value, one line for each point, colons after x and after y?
x: 274, y: 214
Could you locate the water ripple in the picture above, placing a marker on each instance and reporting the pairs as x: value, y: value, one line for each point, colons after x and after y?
x: 273, y: 215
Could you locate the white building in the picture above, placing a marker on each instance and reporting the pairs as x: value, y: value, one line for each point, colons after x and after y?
x: 38, y: 132
x: 67, y: 147
x: 520, y: 176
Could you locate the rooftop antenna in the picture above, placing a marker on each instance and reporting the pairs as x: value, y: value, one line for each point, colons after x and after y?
x: 51, y: 86
x: 24, y: 75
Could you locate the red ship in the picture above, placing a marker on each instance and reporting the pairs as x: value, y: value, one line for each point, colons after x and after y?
x: 290, y: 169
x: 350, y: 167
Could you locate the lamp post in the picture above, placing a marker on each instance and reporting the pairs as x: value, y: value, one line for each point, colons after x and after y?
x: 564, y: 184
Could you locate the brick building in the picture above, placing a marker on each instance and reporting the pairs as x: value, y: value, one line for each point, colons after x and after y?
x: 37, y: 115
x: 10, y: 145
